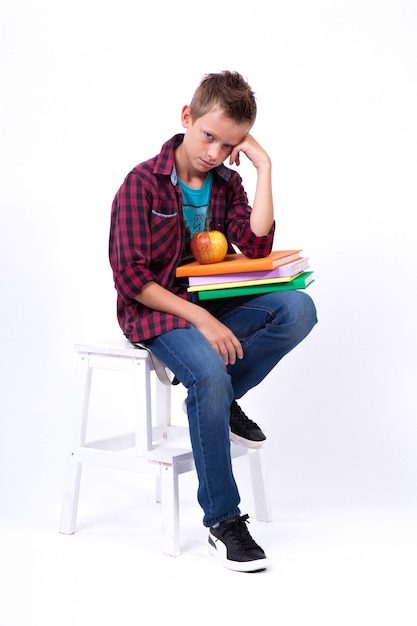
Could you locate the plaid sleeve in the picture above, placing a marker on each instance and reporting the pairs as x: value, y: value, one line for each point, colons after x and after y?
x: 130, y: 239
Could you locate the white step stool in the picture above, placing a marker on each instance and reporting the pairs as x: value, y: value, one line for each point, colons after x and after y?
x: 155, y: 447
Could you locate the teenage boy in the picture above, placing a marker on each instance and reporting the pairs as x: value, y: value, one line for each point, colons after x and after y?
x: 218, y: 349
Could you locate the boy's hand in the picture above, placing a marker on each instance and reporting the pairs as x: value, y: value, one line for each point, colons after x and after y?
x: 221, y: 338
x: 255, y: 153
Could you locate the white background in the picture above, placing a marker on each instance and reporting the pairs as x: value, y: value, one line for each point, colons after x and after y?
x: 90, y: 88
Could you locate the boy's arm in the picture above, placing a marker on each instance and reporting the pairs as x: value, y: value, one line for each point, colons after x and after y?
x: 262, y: 214
x: 220, y: 337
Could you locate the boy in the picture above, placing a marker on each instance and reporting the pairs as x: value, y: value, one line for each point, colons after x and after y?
x: 218, y: 349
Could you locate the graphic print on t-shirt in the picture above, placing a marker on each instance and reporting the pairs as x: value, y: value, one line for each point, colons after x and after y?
x: 195, y: 218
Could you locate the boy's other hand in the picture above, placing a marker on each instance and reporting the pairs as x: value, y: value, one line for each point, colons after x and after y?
x: 221, y: 338
x: 255, y: 153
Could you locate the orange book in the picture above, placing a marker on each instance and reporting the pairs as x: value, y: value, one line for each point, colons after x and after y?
x: 236, y: 263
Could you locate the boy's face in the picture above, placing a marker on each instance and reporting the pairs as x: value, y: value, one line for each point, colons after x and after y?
x: 210, y: 139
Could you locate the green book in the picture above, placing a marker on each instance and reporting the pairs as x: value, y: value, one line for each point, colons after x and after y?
x: 300, y: 282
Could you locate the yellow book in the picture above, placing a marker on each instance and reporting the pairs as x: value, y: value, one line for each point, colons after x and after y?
x: 243, y: 283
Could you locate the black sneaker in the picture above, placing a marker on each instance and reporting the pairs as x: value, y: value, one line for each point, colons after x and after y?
x: 231, y: 543
x: 243, y: 430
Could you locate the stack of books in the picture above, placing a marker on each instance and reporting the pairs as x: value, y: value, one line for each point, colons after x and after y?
x: 238, y: 275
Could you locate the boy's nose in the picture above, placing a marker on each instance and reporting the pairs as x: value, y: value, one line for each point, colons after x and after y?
x: 213, y: 154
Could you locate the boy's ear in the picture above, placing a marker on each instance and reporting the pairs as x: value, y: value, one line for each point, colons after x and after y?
x: 186, y: 116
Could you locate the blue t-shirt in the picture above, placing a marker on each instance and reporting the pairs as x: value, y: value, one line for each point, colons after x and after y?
x: 196, y: 211
x: 195, y: 205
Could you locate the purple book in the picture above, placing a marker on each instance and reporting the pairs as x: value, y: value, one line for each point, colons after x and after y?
x: 289, y: 269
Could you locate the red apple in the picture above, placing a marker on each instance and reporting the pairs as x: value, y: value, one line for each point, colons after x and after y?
x: 209, y: 246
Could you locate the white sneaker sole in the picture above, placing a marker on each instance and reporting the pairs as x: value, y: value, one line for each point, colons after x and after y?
x: 246, y: 443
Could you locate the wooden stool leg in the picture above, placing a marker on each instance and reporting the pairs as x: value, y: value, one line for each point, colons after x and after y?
x: 259, y: 486
x: 170, y: 510
x: 70, y: 501
x: 73, y: 481
x: 163, y: 403
x: 162, y: 418
x: 142, y: 406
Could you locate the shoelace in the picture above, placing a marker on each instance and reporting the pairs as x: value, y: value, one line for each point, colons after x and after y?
x: 239, y: 532
x: 239, y: 416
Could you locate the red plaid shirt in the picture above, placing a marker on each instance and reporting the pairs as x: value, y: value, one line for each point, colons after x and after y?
x: 147, y: 236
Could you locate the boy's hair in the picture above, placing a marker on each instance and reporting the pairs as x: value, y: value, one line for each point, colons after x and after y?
x: 230, y: 92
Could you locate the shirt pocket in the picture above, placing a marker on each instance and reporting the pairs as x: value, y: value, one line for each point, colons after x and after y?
x: 165, y: 229
x: 163, y: 213
x: 164, y: 207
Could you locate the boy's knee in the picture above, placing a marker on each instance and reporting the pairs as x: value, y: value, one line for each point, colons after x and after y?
x: 310, y: 308
x: 305, y: 311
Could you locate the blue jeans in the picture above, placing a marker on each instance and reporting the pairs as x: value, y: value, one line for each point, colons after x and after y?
x: 268, y: 327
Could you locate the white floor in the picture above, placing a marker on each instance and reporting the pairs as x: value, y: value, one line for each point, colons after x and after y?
x: 329, y: 566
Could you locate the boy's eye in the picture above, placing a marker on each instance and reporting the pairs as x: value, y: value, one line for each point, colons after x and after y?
x: 210, y: 137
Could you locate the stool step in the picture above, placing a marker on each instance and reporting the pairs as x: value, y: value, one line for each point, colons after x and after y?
x: 170, y: 456
x: 161, y: 435
x: 126, y: 460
